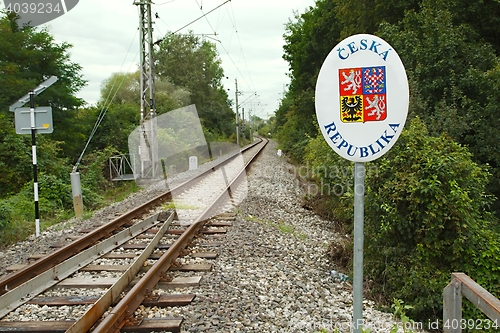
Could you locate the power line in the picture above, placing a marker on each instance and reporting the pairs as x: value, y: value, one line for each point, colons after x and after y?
x: 106, y: 105
x: 199, y: 18
x: 251, y: 85
x: 204, y: 15
x: 164, y: 3
x: 246, y: 78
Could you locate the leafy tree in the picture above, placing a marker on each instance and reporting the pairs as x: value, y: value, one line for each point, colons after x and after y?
x: 124, y: 88
x: 453, y: 73
x: 482, y: 16
x: 118, y: 110
x: 193, y: 64
x: 15, y: 158
x: 443, y: 57
x: 428, y: 210
x: 308, y: 40
x: 28, y: 56
x: 121, y: 88
x: 292, y: 134
x: 364, y: 16
x: 116, y: 122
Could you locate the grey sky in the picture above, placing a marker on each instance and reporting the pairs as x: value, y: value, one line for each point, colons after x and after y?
x: 249, y: 38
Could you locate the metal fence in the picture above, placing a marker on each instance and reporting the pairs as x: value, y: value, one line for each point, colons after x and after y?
x: 120, y: 168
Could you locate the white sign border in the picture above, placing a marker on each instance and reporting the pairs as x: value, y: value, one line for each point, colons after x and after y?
x: 361, y: 142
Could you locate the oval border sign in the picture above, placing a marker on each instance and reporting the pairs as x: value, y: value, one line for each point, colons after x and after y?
x: 362, y: 98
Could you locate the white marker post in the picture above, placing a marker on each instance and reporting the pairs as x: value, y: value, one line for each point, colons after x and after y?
x: 33, y: 150
x: 193, y: 163
x: 361, y: 104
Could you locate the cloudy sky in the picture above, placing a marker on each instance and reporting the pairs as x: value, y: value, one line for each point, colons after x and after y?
x: 248, y: 35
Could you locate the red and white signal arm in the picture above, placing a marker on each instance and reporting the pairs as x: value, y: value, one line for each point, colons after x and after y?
x: 362, y: 98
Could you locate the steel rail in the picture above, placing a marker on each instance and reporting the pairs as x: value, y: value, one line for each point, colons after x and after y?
x: 116, y: 319
x: 30, y: 289
x: 23, y: 275
x: 92, y: 315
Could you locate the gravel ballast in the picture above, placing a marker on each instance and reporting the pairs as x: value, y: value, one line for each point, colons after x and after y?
x: 272, y: 273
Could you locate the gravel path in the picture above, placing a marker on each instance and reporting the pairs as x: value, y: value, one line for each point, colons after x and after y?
x: 272, y: 272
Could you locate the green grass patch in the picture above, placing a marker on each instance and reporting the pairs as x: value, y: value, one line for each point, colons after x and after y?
x: 17, y: 213
x: 281, y: 226
x: 178, y: 205
x: 120, y: 191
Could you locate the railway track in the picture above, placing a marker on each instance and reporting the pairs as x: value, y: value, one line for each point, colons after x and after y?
x: 112, y: 270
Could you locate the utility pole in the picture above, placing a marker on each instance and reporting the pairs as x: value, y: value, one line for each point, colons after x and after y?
x: 237, y: 115
x: 243, y: 127
x: 148, y: 148
x: 250, y: 123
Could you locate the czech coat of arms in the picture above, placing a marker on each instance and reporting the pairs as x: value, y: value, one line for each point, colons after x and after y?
x: 362, y: 94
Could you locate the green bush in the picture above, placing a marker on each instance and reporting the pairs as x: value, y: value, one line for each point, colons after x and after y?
x: 17, y: 216
x: 293, y: 136
x: 426, y: 216
x: 334, y: 178
x: 54, y: 194
x: 5, y: 213
x: 94, y: 169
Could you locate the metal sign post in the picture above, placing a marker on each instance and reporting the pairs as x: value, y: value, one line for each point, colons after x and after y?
x: 21, y: 129
x: 361, y: 101
x: 359, y: 205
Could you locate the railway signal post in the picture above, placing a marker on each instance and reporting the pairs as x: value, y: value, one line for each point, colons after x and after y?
x: 32, y: 121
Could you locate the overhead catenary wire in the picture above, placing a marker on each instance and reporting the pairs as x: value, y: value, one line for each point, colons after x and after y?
x: 106, y: 104
x: 159, y: 18
x: 204, y: 15
x: 246, y: 79
x: 233, y: 23
x: 250, y: 84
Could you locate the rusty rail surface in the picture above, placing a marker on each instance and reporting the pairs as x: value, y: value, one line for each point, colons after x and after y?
x: 462, y: 285
x: 124, y: 310
x: 17, y: 278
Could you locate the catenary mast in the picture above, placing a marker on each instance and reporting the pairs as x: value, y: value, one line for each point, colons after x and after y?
x: 148, y: 148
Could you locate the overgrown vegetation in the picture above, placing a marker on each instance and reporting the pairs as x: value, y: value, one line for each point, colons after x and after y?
x: 17, y: 213
x: 426, y: 215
